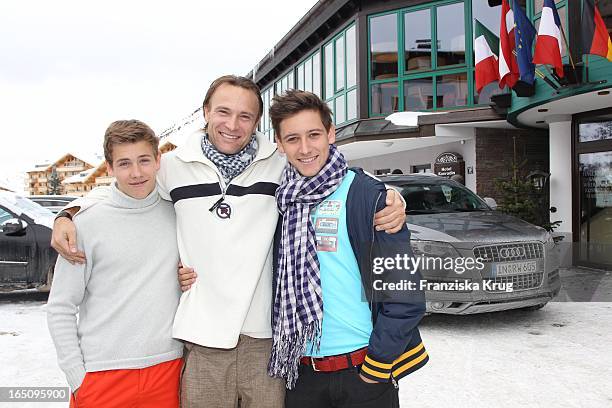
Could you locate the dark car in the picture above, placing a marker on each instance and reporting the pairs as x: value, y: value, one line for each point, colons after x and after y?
x: 26, y: 257
x: 514, y: 264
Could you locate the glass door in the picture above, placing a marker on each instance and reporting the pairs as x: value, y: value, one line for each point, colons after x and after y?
x: 595, y: 189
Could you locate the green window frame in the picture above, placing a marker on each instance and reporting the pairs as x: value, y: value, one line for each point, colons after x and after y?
x: 339, y: 78
x: 308, y: 73
x: 434, y: 72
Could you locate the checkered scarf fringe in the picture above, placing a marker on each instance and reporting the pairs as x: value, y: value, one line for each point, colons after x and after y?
x: 298, y: 305
x: 230, y: 165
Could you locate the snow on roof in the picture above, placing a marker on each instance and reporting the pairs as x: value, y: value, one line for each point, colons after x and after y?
x: 79, y: 178
x: 40, y: 167
x: 178, y: 132
x: 93, y: 159
x: 406, y: 118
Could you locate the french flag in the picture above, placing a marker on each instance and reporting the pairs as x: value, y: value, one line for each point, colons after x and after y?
x: 548, y: 45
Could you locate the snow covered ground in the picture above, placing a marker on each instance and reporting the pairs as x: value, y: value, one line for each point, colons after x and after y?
x: 556, y: 357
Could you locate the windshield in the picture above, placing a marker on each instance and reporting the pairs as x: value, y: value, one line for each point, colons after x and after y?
x: 31, y: 208
x: 439, y: 198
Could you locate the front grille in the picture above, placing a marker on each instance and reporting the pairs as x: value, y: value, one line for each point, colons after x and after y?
x: 510, y: 252
x: 519, y: 282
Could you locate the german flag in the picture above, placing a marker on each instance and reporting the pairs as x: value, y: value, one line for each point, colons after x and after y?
x: 595, y: 37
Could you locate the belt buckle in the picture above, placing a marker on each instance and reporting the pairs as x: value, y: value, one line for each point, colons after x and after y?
x: 312, y: 362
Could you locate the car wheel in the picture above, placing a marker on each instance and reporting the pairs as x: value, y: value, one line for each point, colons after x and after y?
x: 47, y: 286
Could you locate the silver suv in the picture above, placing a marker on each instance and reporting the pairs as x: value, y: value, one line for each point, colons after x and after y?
x: 475, y: 259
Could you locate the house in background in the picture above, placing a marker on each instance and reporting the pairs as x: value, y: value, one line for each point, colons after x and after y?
x: 76, y: 176
x: 69, y: 165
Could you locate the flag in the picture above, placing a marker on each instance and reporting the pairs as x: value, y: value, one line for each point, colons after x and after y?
x: 548, y: 45
x: 595, y: 37
x: 508, y: 68
x: 525, y: 34
x: 486, y: 50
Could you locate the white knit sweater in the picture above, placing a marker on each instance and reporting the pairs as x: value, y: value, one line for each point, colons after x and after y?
x: 125, y: 295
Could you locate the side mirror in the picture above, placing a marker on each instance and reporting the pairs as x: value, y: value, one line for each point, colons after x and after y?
x: 13, y: 226
x: 491, y: 202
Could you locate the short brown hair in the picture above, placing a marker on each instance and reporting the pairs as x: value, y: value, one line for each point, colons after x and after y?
x: 128, y: 131
x: 234, y: 80
x: 295, y: 101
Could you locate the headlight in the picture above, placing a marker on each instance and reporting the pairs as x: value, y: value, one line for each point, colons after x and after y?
x: 434, y: 249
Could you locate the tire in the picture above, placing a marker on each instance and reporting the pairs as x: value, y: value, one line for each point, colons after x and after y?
x: 46, y: 287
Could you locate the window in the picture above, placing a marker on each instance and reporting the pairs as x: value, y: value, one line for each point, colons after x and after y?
x: 4, y: 215
x: 385, y: 98
x: 340, y: 68
x: 309, y: 74
x: 421, y: 168
x: 417, y: 40
x: 265, y: 125
x: 418, y: 58
x: 383, y: 46
x: 450, y: 35
x: 286, y: 82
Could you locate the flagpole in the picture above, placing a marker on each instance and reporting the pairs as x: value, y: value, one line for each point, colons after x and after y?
x: 552, y: 74
x: 587, y: 68
x: 541, y: 75
x: 546, y: 79
x: 569, y: 52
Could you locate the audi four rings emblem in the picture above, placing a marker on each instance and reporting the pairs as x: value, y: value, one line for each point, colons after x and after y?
x: 517, y: 252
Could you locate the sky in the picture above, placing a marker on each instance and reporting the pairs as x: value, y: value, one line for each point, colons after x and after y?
x: 69, y: 68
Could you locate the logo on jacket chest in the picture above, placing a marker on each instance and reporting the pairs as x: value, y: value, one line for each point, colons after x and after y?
x: 224, y: 211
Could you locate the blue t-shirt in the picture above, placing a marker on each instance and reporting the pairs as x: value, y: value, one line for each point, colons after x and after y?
x: 347, y: 322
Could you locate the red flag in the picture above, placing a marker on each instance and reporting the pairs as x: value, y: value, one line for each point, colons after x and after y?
x: 508, y: 67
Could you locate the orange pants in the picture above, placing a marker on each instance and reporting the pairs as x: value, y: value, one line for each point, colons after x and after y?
x: 152, y: 387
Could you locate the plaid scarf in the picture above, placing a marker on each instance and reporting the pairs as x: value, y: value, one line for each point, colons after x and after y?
x: 230, y: 165
x: 298, y: 304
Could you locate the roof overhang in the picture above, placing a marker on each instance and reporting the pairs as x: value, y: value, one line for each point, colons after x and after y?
x: 414, y: 130
x: 541, y: 115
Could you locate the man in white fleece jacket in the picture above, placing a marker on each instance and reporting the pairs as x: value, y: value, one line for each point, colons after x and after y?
x: 120, y: 352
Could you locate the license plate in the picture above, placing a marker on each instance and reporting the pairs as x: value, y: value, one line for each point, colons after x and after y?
x: 514, y: 268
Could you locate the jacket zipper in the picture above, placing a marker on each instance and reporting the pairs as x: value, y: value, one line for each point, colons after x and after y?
x: 370, y: 257
x: 223, y: 191
x: 393, y: 380
x: 224, y: 187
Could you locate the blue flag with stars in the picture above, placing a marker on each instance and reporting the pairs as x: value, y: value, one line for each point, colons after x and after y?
x: 525, y: 34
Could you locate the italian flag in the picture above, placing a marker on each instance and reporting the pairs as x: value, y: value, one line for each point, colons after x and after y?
x: 486, y: 50
x: 548, y: 45
x: 508, y: 67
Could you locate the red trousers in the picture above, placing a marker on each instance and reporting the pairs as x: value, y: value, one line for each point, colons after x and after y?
x: 152, y: 387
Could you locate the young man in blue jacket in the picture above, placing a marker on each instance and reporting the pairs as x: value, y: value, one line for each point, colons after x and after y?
x: 339, y: 339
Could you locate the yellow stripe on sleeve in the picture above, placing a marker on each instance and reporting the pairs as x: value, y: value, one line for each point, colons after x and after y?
x: 375, y: 373
x: 410, y: 364
x: 409, y: 353
x: 377, y: 364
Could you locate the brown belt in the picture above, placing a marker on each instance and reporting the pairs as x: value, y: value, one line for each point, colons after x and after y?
x: 336, y: 363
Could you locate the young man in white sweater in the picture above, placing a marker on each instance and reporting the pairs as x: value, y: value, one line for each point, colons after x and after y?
x: 120, y: 351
